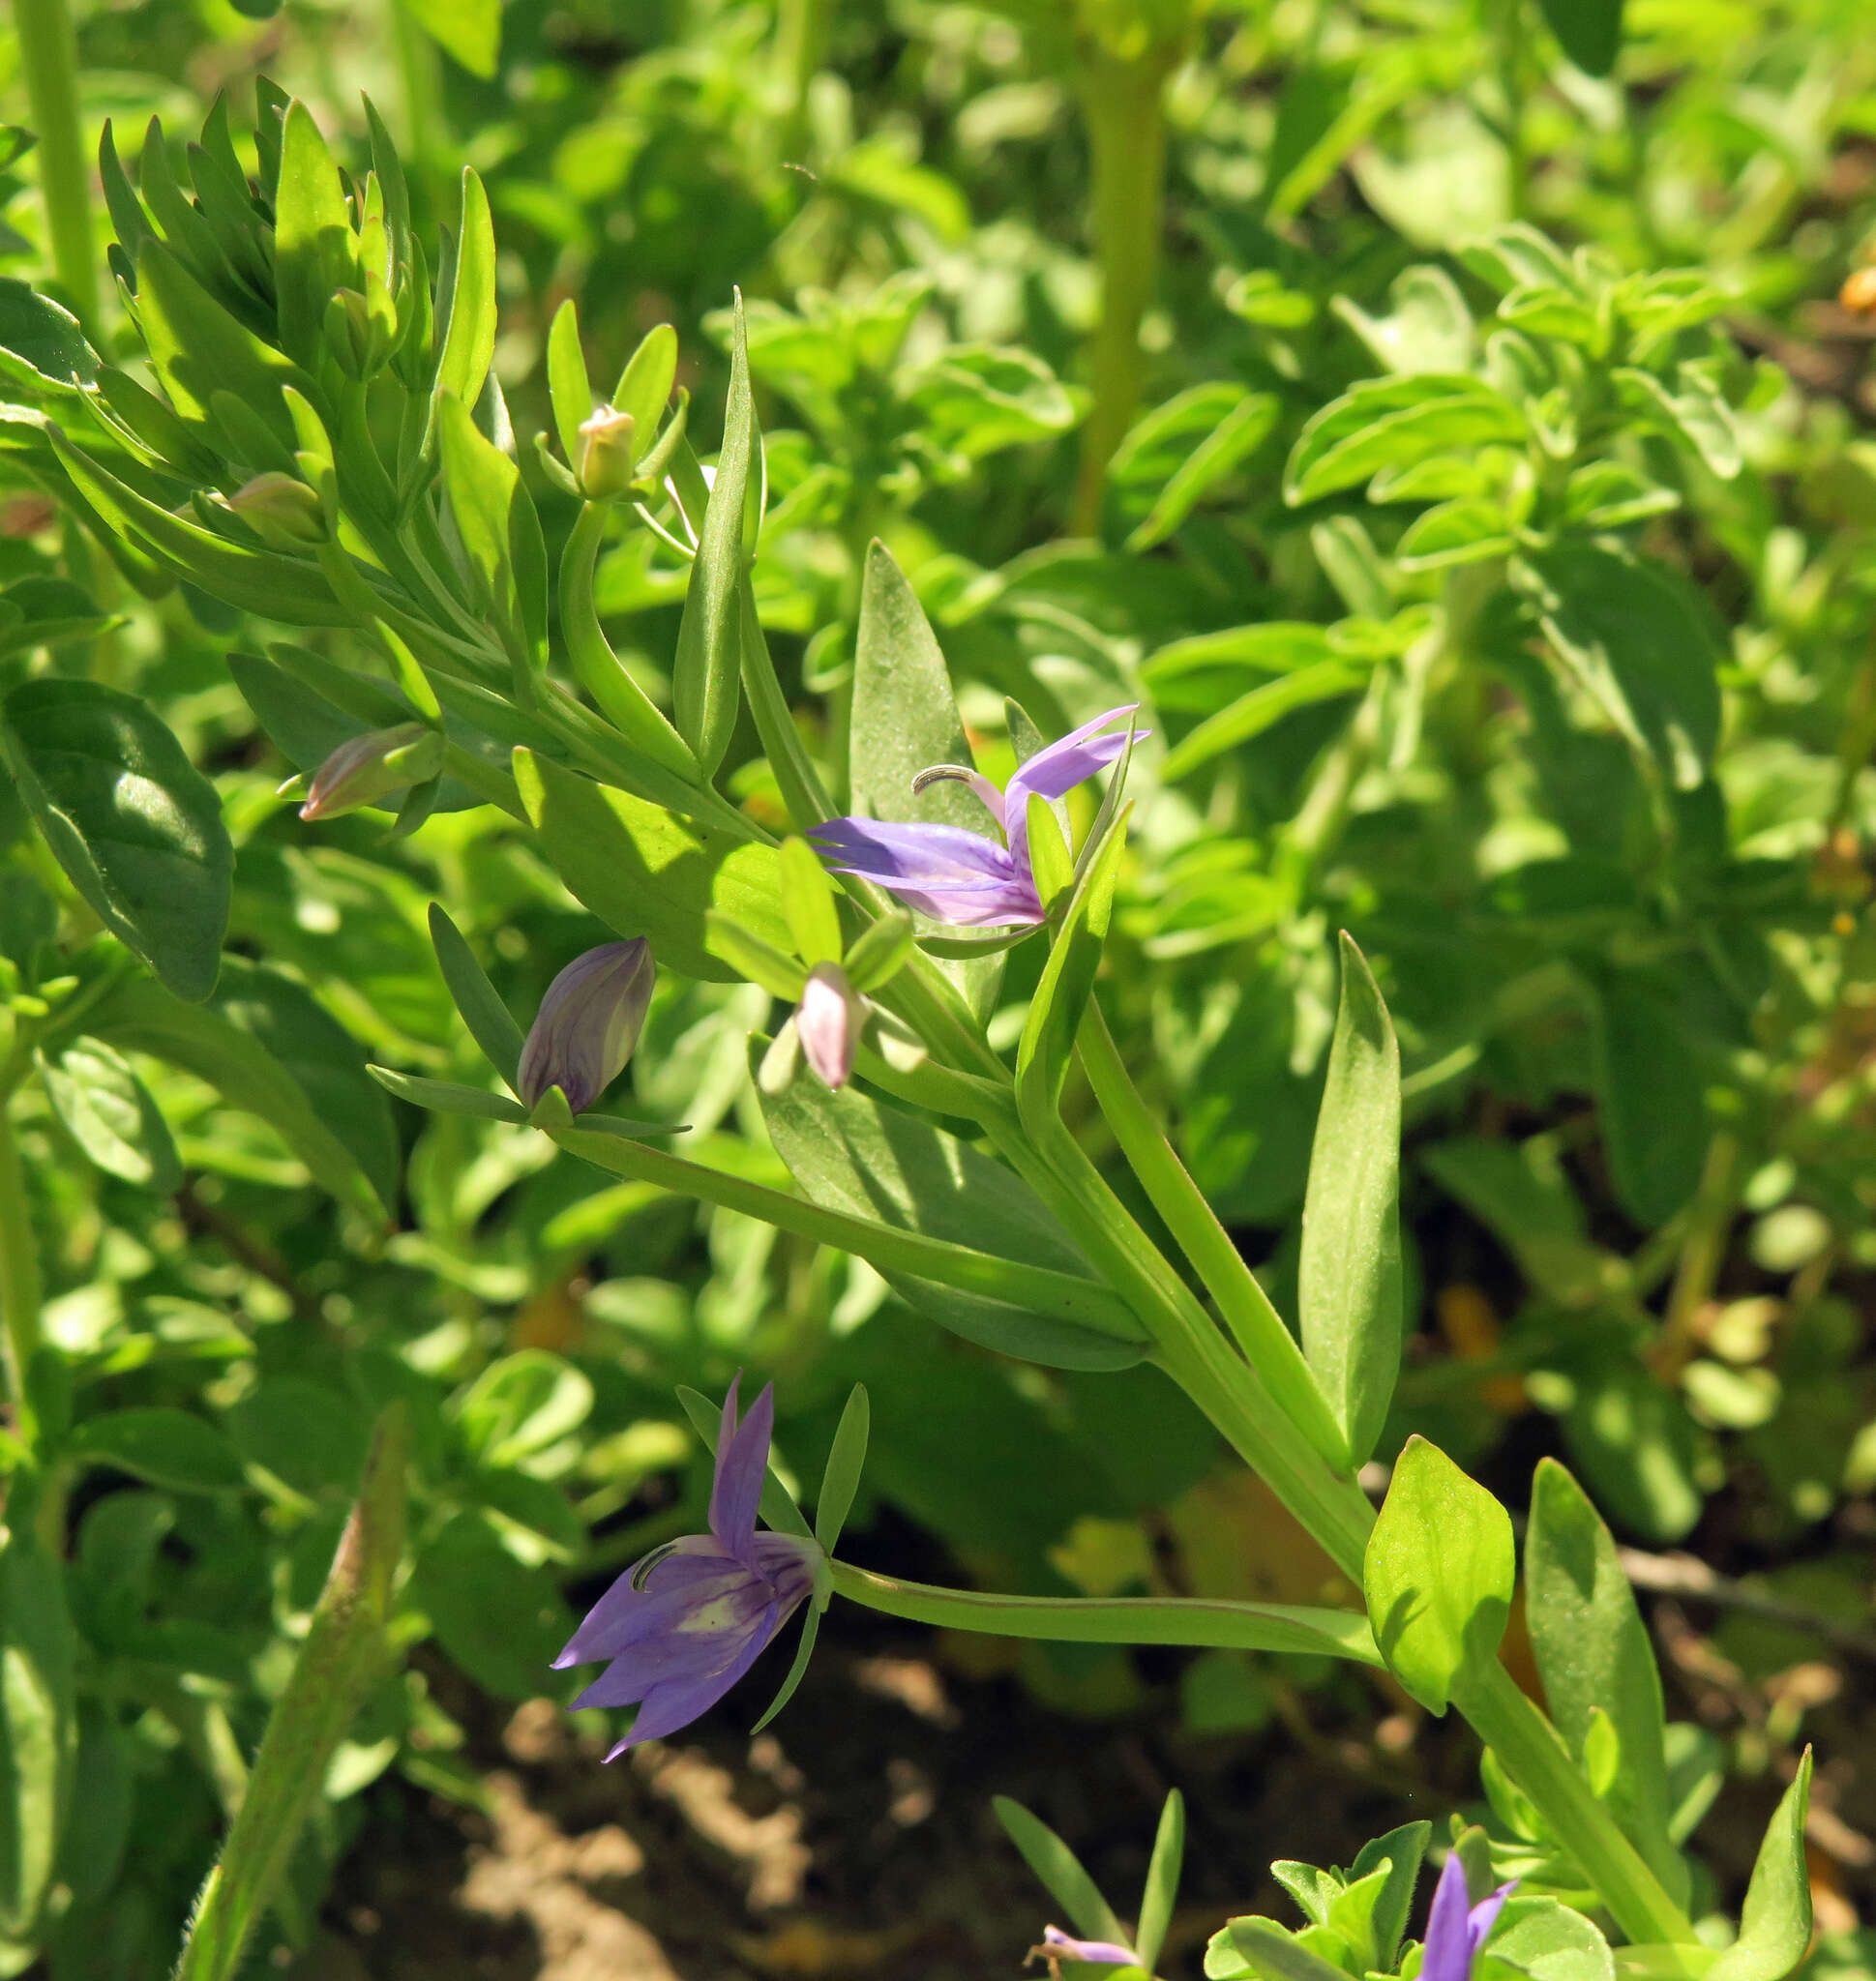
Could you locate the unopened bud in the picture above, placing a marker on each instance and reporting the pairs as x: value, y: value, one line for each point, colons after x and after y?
x: 350, y: 334
x: 610, y: 454
x: 827, y: 1022
x: 588, y: 1025
x: 281, y: 511
x: 373, y: 766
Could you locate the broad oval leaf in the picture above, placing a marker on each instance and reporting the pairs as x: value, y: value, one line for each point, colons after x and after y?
x: 136, y: 826
x: 111, y: 1116
x: 175, y: 1449
x: 1438, y: 1574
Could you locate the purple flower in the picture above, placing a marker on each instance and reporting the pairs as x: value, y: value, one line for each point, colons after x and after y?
x: 1057, y: 1947
x: 827, y: 1022
x: 683, y: 1625
x: 1456, y: 1934
x: 588, y: 1025
x: 960, y: 876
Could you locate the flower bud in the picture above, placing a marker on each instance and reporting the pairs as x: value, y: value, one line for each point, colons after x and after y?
x: 588, y: 1025
x: 281, y: 511
x: 373, y: 766
x: 350, y: 334
x: 827, y: 1020
x: 610, y: 454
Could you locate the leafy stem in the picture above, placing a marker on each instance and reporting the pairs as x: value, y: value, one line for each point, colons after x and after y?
x: 48, y: 61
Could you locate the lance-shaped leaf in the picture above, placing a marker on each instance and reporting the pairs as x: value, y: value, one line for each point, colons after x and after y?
x: 314, y: 248
x: 1775, y: 1924
x: 905, y: 720
x: 846, y: 1461
x: 136, y: 826
x: 707, y: 675
x: 492, y: 1025
x: 570, y: 391
x: 1652, y: 1096
x: 1060, y: 1870
x: 645, y: 871
x: 1349, y: 1277
x: 1594, y: 1656
x: 343, y: 1657
x: 1162, y: 1888
x: 851, y: 1153
x: 498, y: 529
x: 469, y: 340
x: 1438, y: 1574
x: 1048, y: 1041
x: 37, y: 1725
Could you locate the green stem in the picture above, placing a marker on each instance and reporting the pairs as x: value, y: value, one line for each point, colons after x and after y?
x: 1540, y: 1764
x: 1061, y: 1295
x: 48, y: 60
x: 800, y: 44
x: 1115, y: 1619
x: 1127, y: 132
x: 1511, y: 58
x: 19, y: 1281
x: 1268, y: 1345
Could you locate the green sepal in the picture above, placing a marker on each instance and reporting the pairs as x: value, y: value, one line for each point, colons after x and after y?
x: 448, y: 1097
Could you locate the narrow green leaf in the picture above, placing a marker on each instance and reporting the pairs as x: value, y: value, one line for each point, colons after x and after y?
x: 136, y: 826
x: 264, y: 582
x: 109, y: 1113
x: 38, y: 1726
x: 470, y: 343
x: 1162, y: 1888
x: 1060, y: 1870
x: 1252, y: 713
x: 1595, y: 1655
x: 196, y: 348
x: 804, y: 1652
x: 1349, y: 1274
x: 706, y: 673
x: 846, y: 1461
x: 808, y: 902
x: 492, y: 1025
x: 569, y: 388
x: 341, y: 1658
x: 1775, y: 1925
x: 645, y: 384
x: 496, y: 525
x: 780, y: 974
x: 1055, y: 1015
x: 645, y: 871
x: 1235, y: 438
x: 448, y: 1096
x: 851, y: 1153
x: 314, y: 248
x: 880, y: 951
x: 1437, y: 1575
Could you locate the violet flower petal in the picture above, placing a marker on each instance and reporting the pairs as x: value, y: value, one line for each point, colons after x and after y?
x: 1448, y: 1951
x: 588, y: 1025
x: 1055, y: 771
x: 1110, y: 1953
x: 742, y: 1462
x: 919, y: 855
x: 1484, y: 1915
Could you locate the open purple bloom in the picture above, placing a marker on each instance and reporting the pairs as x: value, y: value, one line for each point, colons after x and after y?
x: 683, y: 1624
x: 960, y: 876
x: 588, y: 1025
x: 1455, y: 1932
x: 1057, y: 1947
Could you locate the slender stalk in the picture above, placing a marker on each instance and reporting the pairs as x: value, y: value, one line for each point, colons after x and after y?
x: 1702, y: 1252
x: 1540, y: 1764
x: 1115, y: 1620
x: 800, y: 47
x: 1127, y: 132
x: 1268, y: 1345
x: 1060, y: 1295
x: 19, y: 1281
x: 1511, y: 60
x: 48, y: 60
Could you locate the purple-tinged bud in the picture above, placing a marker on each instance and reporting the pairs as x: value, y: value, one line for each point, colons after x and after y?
x: 610, y: 454
x: 827, y: 1020
x: 373, y: 766
x: 281, y: 511
x: 588, y: 1025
